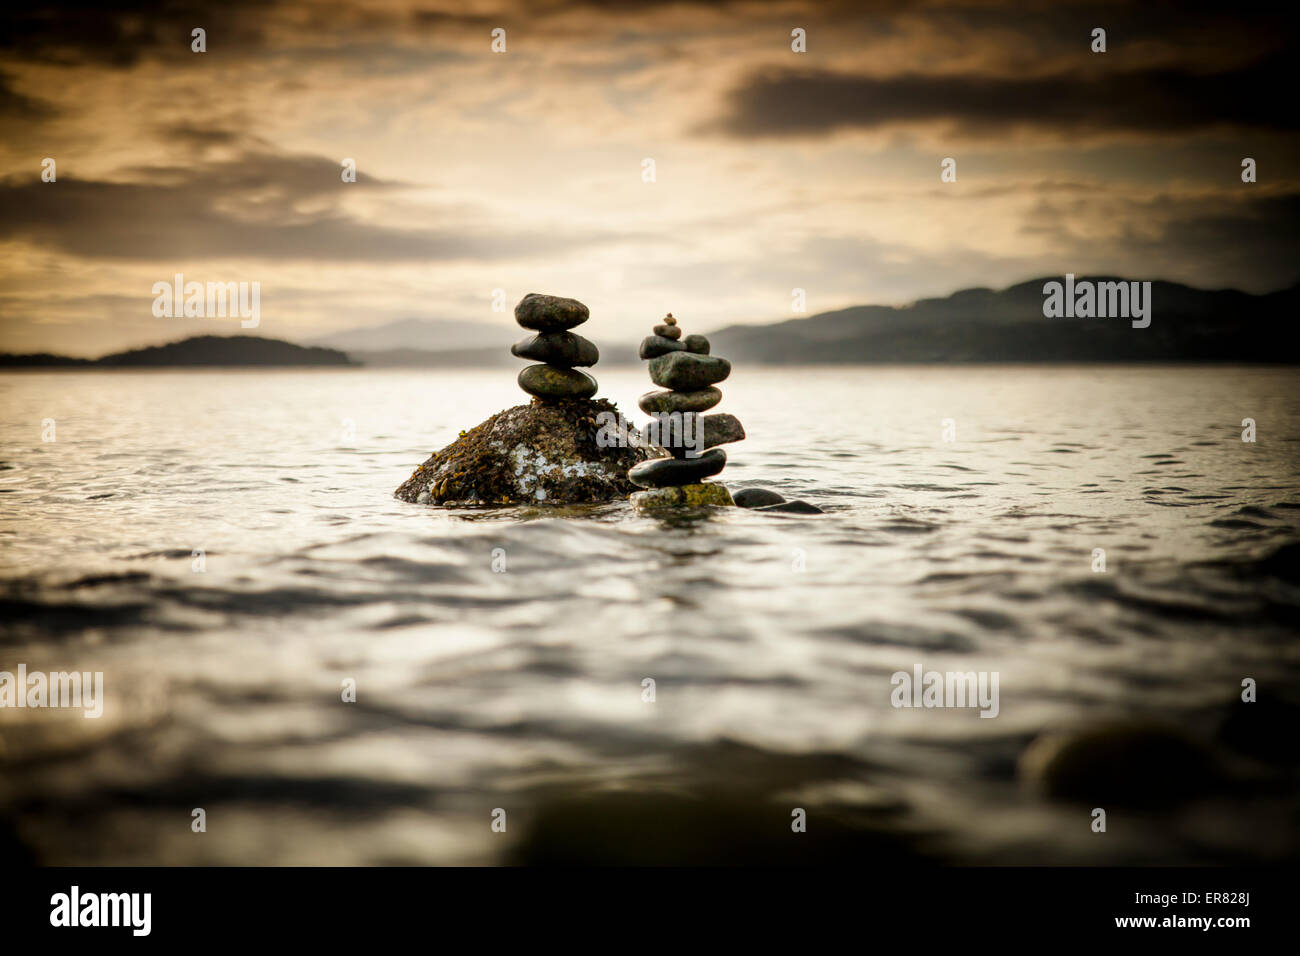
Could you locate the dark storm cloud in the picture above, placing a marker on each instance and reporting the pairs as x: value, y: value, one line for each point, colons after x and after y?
x: 1252, y: 239
x: 815, y: 102
x: 436, y: 19
x: 76, y: 32
x: 1255, y: 241
x: 15, y: 106
x: 199, y: 136
x: 261, y: 205
x: 120, y: 35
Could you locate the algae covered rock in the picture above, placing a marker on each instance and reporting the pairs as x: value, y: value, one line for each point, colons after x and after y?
x: 684, y: 496
x: 543, y: 452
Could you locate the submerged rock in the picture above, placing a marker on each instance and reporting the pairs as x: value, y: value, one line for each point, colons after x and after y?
x: 757, y: 497
x: 689, y: 496
x: 796, y: 507
x: 543, y: 452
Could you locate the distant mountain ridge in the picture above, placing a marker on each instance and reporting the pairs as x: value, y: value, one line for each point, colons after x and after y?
x: 983, y: 325
x: 199, y: 350
x: 971, y: 325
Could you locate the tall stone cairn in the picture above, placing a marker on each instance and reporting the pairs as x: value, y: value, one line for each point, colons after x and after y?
x: 688, y: 374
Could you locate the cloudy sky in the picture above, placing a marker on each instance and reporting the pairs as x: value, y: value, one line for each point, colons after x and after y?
x: 525, y: 170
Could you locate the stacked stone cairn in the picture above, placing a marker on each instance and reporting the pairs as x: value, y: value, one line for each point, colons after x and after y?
x: 688, y: 374
x: 560, y: 351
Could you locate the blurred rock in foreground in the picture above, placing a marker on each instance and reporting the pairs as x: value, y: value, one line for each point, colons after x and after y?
x: 736, y: 829
x: 1122, y: 764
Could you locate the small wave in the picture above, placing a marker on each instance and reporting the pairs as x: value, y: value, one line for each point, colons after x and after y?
x: 1237, y: 524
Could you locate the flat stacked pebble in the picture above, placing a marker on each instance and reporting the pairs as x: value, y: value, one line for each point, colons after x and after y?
x: 559, y: 350
x: 688, y: 374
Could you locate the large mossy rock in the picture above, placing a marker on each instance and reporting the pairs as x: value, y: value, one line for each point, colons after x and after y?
x: 543, y: 452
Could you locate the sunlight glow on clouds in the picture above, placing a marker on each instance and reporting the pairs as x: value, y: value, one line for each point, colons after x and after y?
x: 523, y: 170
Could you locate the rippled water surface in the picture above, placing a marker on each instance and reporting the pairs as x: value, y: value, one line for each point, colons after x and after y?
x: 771, y: 638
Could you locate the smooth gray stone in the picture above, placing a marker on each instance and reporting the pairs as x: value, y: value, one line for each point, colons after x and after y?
x: 757, y: 497
x: 698, y: 401
x: 564, y: 349
x: 796, y: 507
x: 668, y: 331
x: 722, y: 430
x: 667, y: 472
x: 711, y: 430
x: 653, y: 346
x: 550, y: 313
x: 548, y: 381
x: 697, y: 344
x: 687, y: 372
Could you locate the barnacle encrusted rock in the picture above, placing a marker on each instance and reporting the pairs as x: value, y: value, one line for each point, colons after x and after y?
x: 542, y: 452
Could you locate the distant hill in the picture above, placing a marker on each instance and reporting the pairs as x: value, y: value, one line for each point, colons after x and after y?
x: 201, y: 350
x: 983, y: 325
x: 41, y: 360
x: 973, y: 325
x: 425, y: 335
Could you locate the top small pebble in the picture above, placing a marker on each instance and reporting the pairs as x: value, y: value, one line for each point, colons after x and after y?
x: 550, y: 313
